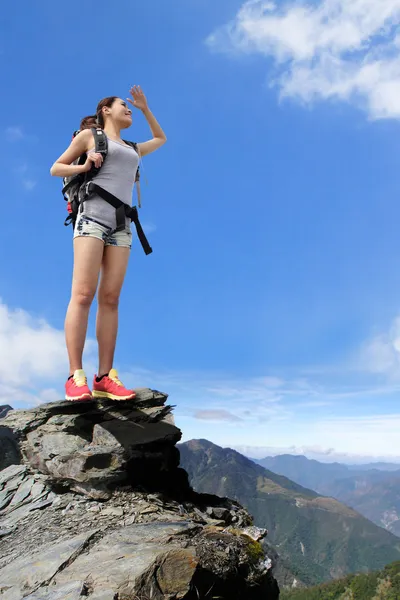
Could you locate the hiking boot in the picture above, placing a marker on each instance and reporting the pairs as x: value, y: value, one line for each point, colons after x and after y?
x: 110, y: 387
x: 76, y: 387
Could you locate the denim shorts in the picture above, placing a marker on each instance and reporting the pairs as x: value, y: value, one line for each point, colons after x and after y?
x: 87, y: 227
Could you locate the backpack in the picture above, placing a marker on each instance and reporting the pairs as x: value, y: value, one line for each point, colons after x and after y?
x: 78, y: 189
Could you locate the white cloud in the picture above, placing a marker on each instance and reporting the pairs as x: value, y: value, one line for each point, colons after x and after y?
x: 319, y: 453
x: 381, y: 354
x: 18, y: 396
x: 341, y: 438
x: 329, y: 49
x: 29, y: 347
x: 216, y: 415
x: 14, y: 134
x: 33, y: 358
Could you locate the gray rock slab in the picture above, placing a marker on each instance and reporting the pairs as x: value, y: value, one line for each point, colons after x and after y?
x: 119, y: 558
x: 15, y: 515
x: 56, y: 443
x: 23, y: 491
x: 26, y: 575
x: 10, y: 472
x: 69, y: 591
x: 40, y: 505
x: 5, y: 498
x: 14, y: 483
x: 37, y: 489
x: 128, y: 434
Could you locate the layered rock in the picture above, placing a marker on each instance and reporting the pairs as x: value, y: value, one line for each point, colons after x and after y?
x: 9, y: 452
x: 99, y: 508
x: 4, y: 409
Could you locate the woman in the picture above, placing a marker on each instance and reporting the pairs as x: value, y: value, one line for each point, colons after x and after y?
x: 98, y: 248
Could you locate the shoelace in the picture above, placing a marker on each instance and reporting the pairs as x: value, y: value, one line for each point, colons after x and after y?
x: 116, y: 380
x: 80, y: 380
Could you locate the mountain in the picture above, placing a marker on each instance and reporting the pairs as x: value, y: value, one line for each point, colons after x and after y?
x: 312, y: 472
x: 374, y: 493
x: 317, y: 538
x: 380, y: 585
x: 380, y: 466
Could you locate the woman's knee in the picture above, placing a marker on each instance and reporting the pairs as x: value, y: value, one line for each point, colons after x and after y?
x: 108, y: 298
x: 83, y: 296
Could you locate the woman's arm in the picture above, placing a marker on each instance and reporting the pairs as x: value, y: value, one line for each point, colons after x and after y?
x: 63, y: 166
x: 159, y: 137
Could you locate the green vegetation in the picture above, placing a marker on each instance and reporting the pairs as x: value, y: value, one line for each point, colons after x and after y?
x: 380, y: 585
x: 317, y: 539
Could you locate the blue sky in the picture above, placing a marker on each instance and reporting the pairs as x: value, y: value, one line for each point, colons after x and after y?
x: 269, y: 309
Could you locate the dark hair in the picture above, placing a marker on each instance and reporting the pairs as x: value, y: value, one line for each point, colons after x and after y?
x: 99, y: 110
x: 88, y: 122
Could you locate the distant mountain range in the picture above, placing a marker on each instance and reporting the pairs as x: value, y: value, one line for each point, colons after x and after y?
x: 380, y: 585
x: 373, y: 492
x: 317, y: 538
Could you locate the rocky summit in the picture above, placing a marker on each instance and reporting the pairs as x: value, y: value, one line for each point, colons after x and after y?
x: 94, y: 504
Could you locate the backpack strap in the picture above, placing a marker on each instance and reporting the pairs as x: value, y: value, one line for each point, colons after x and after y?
x: 100, y: 141
x: 122, y: 210
x: 77, y: 182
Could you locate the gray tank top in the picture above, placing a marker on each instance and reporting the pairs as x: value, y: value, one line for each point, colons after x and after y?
x: 117, y: 176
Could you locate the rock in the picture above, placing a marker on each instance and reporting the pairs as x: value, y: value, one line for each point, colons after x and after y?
x: 89, y: 447
x: 170, y: 575
x: 143, y: 532
x: 22, y: 577
x: 69, y: 591
x: 115, y: 511
x: 40, y: 505
x: 5, y: 498
x: 37, y: 489
x: 4, y: 532
x: 4, y: 410
x: 130, y: 520
x: 11, y: 472
x: 256, y: 533
x: 9, y: 449
x: 23, y: 492
x: 218, y: 512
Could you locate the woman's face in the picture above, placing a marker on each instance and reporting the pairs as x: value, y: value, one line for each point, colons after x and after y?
x: 120, y: 113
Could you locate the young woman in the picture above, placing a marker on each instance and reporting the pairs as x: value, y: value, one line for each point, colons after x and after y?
x: 99, y: 250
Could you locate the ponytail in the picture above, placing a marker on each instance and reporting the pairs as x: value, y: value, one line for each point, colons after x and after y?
x: 88, y: 122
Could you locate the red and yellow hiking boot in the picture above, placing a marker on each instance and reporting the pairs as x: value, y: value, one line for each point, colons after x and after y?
x: 76, y: 388
x: 110, y: 387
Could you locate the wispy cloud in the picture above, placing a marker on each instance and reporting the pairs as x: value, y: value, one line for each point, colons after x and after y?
x: 329, y: 49
x: 317, y: 453
x: 23, y: 172
x: 29, y: 184
x: 14, y: 134
x: 149, y: 227
x: 216, y: 415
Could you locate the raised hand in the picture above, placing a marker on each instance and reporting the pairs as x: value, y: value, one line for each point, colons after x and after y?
x: 138, y: 98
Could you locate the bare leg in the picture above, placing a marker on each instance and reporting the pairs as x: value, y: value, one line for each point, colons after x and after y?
x: 115, y: 262
x: 88, y: 254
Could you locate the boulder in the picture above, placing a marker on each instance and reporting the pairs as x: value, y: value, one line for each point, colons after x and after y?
x: 98, y: 507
